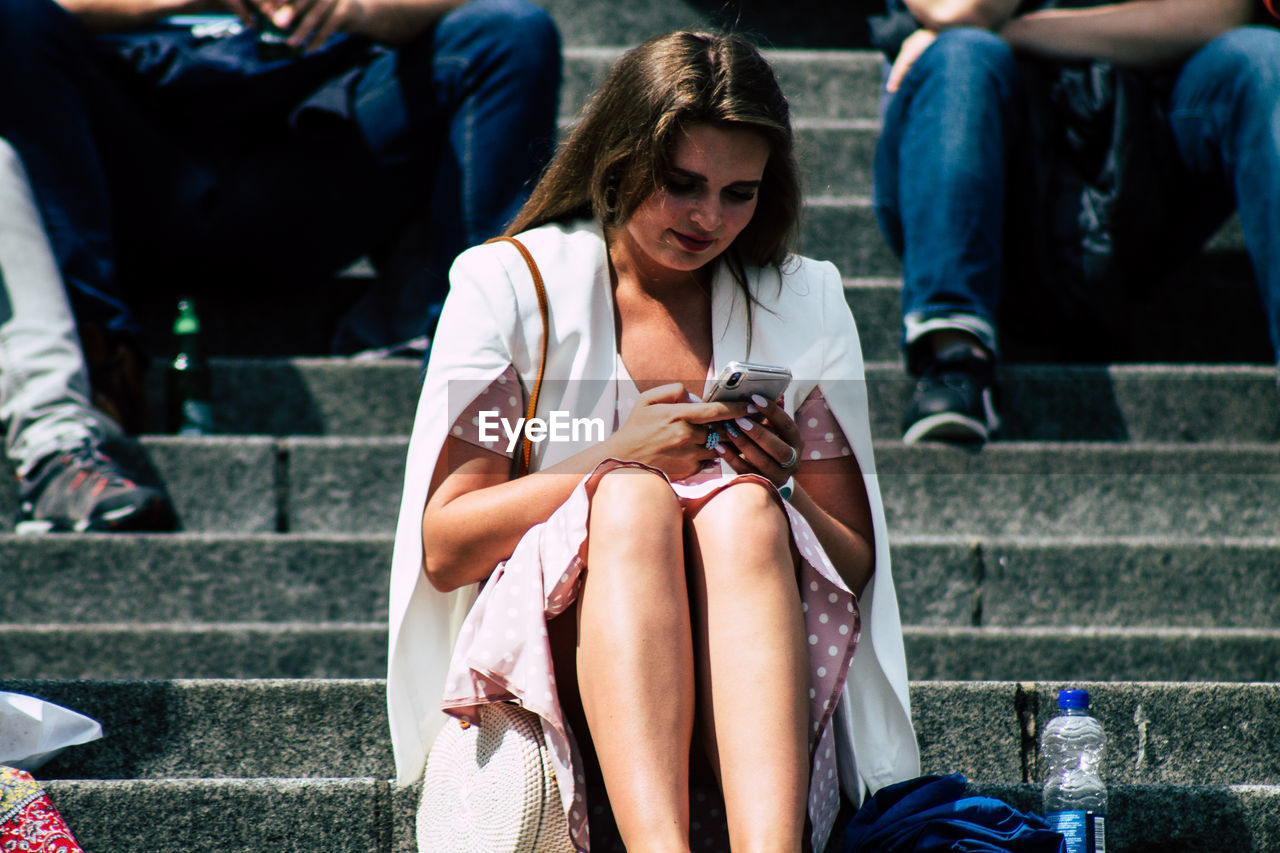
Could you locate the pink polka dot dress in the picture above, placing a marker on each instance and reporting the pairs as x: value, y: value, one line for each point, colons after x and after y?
x: 503, y: 652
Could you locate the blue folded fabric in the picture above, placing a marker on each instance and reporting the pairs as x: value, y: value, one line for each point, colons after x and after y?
x: 930, y: 814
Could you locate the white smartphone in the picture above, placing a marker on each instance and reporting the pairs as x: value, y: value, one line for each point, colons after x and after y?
x: 738, y: 380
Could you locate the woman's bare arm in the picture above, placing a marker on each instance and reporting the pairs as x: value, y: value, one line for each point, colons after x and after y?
x: 830, y: 493
x: 832, y: 496
x: 1140, y: 32
x: 475, y: 515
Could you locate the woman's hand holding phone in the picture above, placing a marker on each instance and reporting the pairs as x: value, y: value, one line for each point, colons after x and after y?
x: 669, y: 432
x: 768, y: 442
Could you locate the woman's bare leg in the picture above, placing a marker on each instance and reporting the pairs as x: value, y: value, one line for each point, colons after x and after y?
x: 635, y: 657
x: 753, y: 665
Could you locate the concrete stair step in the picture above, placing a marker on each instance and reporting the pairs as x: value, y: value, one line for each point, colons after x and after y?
x: 1147, y: 403
x: 360, y: 815
x: 1075, y: 583
x: 183, y: 578
x: 217, y: 765
x: 1093, y: 654
x: 1122, y: 402
x: 1064, y: 490
x: 287, y: 582
x: 1166, y: 733
x: 352, y: 485
x: 194, y: 650
x: 304, y: 396
x: 313, y: 606
x: 1158, y: 732
x: 286, y: 815
x: 1028, y: 489
x: 359, y: 650
x: 223, y: 728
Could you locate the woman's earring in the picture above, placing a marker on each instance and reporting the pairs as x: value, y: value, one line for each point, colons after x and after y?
x: 611, y: 200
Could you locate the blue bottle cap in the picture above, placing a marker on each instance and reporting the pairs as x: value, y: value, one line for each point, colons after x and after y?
x: 1074, y: 700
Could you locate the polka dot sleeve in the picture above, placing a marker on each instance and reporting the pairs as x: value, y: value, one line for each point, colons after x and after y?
x: 503, y: 399
x: 819, y: 429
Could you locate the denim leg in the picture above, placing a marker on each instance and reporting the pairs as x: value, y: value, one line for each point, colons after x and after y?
x: 1225, y: 117
x: 482, y: 88
x: 940, y: 182
x: 44, y: 388
x: 499, y: 62
x: 45, y: 103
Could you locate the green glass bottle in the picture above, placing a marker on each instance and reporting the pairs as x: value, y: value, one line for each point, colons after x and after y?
x: 188, y: 382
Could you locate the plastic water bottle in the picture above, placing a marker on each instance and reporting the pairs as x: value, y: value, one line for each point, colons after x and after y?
x: 1075, y: 798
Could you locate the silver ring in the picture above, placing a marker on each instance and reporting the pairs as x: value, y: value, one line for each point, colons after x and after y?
x: 791, y: 463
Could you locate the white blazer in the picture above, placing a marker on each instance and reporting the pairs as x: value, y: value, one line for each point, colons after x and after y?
x: 490, y: 320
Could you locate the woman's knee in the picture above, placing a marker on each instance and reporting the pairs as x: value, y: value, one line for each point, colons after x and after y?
x: 633, y: 502
x: 635, y: 541
x: 741, y: 521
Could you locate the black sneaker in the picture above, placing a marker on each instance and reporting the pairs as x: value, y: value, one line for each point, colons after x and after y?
x: 953, y: 400
x: 82, y: 490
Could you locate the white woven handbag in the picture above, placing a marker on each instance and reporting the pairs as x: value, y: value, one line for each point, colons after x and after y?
x: 491, y: 788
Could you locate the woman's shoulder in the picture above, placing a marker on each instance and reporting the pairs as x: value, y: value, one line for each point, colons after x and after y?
x: 560, y: 250
x: 797, y: 282
x: 549, y: 237
x: 559, y: 236
x: 799, y: 269
x: 550, y: 243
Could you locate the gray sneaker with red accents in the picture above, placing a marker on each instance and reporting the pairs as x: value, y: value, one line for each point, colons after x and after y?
x: 85, y: 490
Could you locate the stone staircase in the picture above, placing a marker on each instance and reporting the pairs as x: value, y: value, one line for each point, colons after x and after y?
x: 1121, y: 536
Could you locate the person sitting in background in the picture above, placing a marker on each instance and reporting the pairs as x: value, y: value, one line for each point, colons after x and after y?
x: 54, y: 436
x: 1051, y: 160
x: 168, y: 154
x: 676, y: 579
x: 171, y: 152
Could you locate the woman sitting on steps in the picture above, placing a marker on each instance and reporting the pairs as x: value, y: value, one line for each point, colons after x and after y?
x: 647, y: 590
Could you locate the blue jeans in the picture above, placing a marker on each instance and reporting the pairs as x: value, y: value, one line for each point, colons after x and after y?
x: 942, y: 169
x: 170, y: 162
x: 44, y: 385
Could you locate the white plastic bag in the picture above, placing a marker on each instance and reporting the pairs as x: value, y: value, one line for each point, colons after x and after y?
x: 32, y: 730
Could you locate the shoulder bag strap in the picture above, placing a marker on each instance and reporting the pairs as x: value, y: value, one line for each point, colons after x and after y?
x: 526, y: 446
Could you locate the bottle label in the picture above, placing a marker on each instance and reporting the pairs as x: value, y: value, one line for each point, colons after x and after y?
x: 197, y: 418
x: 1084, y: 832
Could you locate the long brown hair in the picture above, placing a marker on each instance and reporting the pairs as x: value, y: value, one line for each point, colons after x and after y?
x: 623, y: 144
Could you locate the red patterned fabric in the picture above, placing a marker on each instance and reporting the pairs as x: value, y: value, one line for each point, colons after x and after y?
x: 31, y: 824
